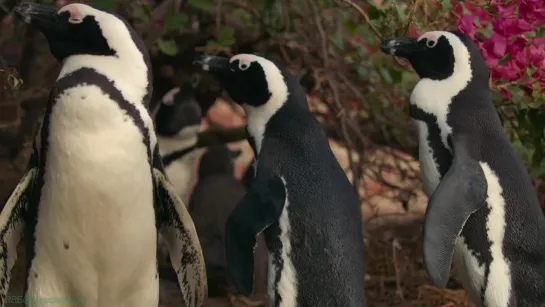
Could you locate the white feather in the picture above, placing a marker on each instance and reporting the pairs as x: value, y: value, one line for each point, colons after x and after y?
x: 97, y: 200
x: 287, y: 285
x: 259, y: 116
x: 96, y: 234
x: 435, y: 96
x: 180, y: 172
x: 498, y: 290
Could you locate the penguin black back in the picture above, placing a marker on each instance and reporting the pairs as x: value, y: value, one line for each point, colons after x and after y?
x: 300, y: 196
x: 480, y: 191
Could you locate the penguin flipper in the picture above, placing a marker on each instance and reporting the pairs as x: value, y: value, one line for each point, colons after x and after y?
x: 178, y: 230
x: 256, y: 211
x: 462, y: 191
x: 11, y: 228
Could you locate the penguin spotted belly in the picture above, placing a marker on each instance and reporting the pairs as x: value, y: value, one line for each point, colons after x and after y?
x: 96, y: 224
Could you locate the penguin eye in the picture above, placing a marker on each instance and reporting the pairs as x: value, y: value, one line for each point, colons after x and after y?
x: 243, y: 66
x: 195, y: 79
x: 431, y: 43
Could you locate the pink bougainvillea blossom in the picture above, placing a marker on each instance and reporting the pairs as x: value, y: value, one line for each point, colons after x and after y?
x: 508, y: 46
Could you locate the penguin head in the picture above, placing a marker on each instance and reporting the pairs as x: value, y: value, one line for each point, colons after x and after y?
x: 439, y: 55
x: 218, y: 159
x: 178, y: 111
x: 260, y: 85
x: 79, y: 29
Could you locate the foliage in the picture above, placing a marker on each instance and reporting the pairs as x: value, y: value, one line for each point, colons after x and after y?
x: 511, y: 37
x: 335, y: 42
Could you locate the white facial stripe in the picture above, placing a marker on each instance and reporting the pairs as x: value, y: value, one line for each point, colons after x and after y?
x: 432, y: 37
x: 258, y: 117
x: 127, y: 69
x: 168, y: 98
x: 244, y: 60
x: 435, y: 96
x: 76, y: 14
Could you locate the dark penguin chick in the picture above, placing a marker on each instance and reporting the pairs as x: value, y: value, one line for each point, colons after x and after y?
x: 483, y: 214
x: 249, y: 174
x: 95, y: 194
x: 215, y: 195
x: 300, y: 197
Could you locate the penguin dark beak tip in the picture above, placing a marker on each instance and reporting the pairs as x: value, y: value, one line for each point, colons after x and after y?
x: 37, y: 14
x: 400, y: 46
x: 211, y: 63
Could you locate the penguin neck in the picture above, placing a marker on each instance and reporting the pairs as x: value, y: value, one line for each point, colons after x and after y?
x: 186, y: 138
x: 129, y: 72
x: 258, y: 117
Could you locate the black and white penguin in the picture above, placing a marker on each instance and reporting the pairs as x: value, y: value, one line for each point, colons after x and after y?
x: 95, y: 194
x: 300, y: 198
x: 214, y: 197
x: 483, y: 213
x: 177, y: 121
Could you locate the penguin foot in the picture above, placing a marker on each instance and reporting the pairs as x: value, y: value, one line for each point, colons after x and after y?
x: 243, y: 301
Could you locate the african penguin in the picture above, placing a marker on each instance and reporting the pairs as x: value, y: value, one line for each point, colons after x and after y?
x: 483, y: 213
x: 215, y: 195
x: 177, y: 121
x: 95, y: 194
x: 300, y: 197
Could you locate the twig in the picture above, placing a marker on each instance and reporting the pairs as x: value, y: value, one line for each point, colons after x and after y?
x: 218, y: 14
x: 395, y: 247
x: 341, y: 111
x: 364, y: 15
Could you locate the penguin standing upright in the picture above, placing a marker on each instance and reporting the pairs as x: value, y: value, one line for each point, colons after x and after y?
x: 95, y: 194
x: 300, y: 197
x: 177, y: 120
x: 483, y: 213
x: 215, y: 195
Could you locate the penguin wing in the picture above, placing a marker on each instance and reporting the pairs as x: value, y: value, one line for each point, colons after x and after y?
x: 178, y: 230
x: 11, y: 227
x: 256, y: 211
x: 462, y: 191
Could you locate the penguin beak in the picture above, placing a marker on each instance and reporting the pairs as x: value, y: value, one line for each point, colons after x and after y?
x: 401, y: 46
x: 213, y: 64
x: 43, y: 17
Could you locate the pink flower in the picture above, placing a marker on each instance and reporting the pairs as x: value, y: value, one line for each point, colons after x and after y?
x: 505, y: 11
x: 536, y: 56
x: 511, y: 27
x: 516, y: 46
x: 532, y: 10
x: 505, y: 93
x: 509, y: 71
x: 467, y: 26
x: 496, y: 45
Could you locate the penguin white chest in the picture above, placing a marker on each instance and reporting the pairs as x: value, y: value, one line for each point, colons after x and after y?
x: 95, y: 235
x: 429, y: 170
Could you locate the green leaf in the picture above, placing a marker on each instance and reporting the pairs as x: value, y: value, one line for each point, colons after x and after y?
x: 401, y: 13
x: 176, y: 21
x: 168, y: 47
x: 225, y: 36
x: 446, y: 5
x: 338, y: 41
x: 141, y: 12
x: 351, y: 26
x: 205, y: 5
x: 103, y: 4
x: 476, y: 21
x: 376, y: 13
